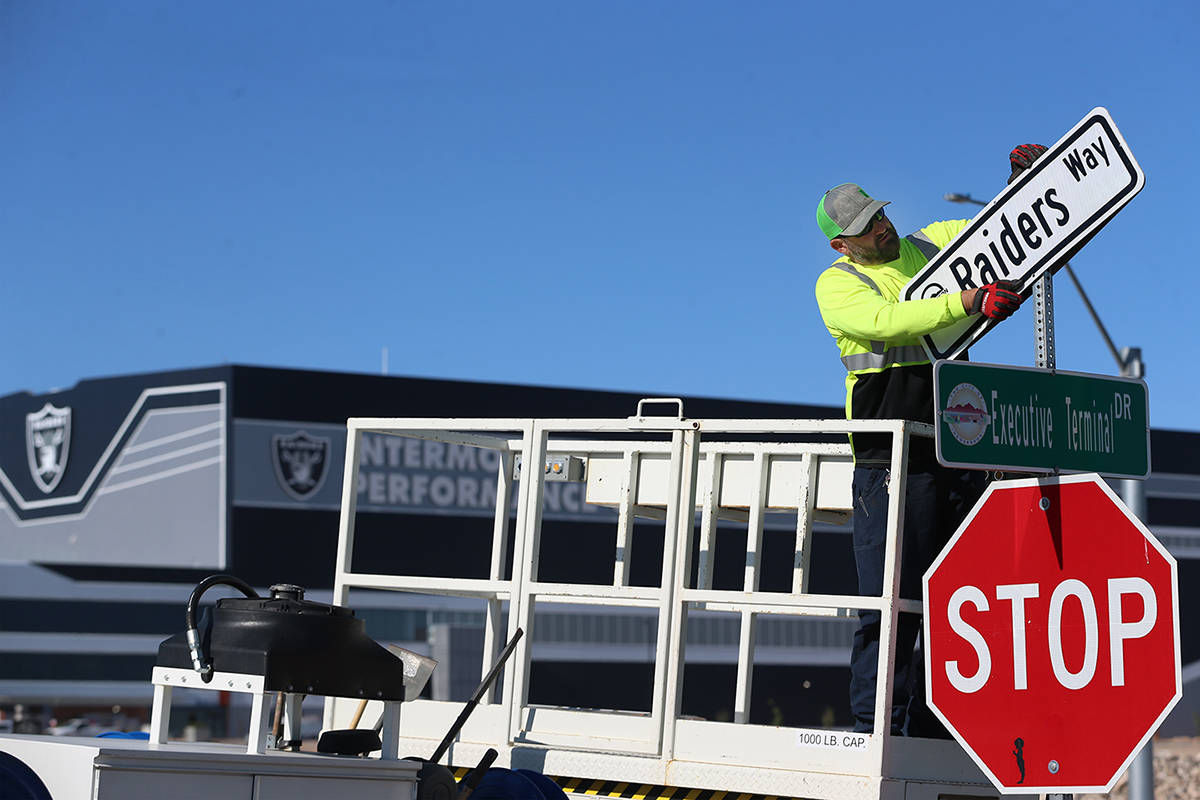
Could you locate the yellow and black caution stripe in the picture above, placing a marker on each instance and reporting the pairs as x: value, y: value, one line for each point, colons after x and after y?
x: 643, y: 791
x: 639, y: 791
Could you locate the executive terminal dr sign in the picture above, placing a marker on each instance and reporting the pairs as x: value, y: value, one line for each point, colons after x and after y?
x: 1028, y: 419
x: 1034, y: 225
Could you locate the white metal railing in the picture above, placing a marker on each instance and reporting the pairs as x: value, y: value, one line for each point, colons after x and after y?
x: 663, y: 468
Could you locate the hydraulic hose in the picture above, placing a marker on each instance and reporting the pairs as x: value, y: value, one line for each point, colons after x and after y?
x: 199, y: 662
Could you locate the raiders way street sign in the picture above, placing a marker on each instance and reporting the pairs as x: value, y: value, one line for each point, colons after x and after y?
x: 1036, y: 224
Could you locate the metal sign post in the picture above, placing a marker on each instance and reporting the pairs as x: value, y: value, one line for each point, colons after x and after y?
x: 1043, y: 320
x: 1133, y: 492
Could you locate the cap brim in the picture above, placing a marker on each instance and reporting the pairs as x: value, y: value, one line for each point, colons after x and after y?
x: 859, y: 226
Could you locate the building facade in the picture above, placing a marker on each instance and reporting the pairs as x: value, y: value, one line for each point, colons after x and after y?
x: 120, y: 494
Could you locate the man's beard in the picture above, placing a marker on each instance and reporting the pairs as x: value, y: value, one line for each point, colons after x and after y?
x: 873, y: 252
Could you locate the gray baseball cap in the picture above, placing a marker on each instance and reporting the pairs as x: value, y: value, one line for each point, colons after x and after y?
x: 845, y: 210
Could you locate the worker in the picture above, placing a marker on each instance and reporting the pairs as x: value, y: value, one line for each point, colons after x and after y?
x: 889, y: 376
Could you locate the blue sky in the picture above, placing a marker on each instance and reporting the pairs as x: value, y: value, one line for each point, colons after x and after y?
x: 613, y: 195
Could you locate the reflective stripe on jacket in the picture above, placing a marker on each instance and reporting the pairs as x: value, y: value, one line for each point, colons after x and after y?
x: 888, y: 374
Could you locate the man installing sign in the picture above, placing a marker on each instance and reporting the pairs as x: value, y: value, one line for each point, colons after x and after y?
x: 889, y: 376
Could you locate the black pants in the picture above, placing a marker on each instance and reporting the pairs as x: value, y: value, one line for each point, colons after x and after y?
x: 936, y: 501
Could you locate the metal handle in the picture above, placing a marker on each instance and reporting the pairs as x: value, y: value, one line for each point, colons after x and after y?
x: 676, y: 400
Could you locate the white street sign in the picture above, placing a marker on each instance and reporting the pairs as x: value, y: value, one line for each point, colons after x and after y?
x: 1036, y: 224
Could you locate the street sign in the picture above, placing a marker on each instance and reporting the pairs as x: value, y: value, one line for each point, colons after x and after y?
x: 1052, y: 625
x: 1034, y: 225
x: 1034, y: 420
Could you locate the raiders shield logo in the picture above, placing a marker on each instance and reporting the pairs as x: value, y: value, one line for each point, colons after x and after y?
x: 300, y: 462
x: 47, y: 442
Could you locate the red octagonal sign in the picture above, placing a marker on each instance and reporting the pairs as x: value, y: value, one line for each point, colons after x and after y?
x: 1052, y: 622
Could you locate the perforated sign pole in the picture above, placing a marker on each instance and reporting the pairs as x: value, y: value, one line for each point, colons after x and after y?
x: 1043, y: 322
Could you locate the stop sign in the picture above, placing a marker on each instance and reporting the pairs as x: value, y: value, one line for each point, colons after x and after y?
x: 1052, y: 629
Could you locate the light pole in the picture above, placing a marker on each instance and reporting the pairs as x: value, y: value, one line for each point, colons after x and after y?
x: 1133, y: 492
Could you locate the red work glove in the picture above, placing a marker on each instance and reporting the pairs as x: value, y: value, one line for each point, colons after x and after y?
x: 1022, y: 157
x: 997, y: 300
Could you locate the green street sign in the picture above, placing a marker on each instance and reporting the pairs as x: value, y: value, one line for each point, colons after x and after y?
x: 1033, y: 420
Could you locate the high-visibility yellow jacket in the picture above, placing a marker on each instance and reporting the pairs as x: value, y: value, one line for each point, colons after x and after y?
x: 888, y: 374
